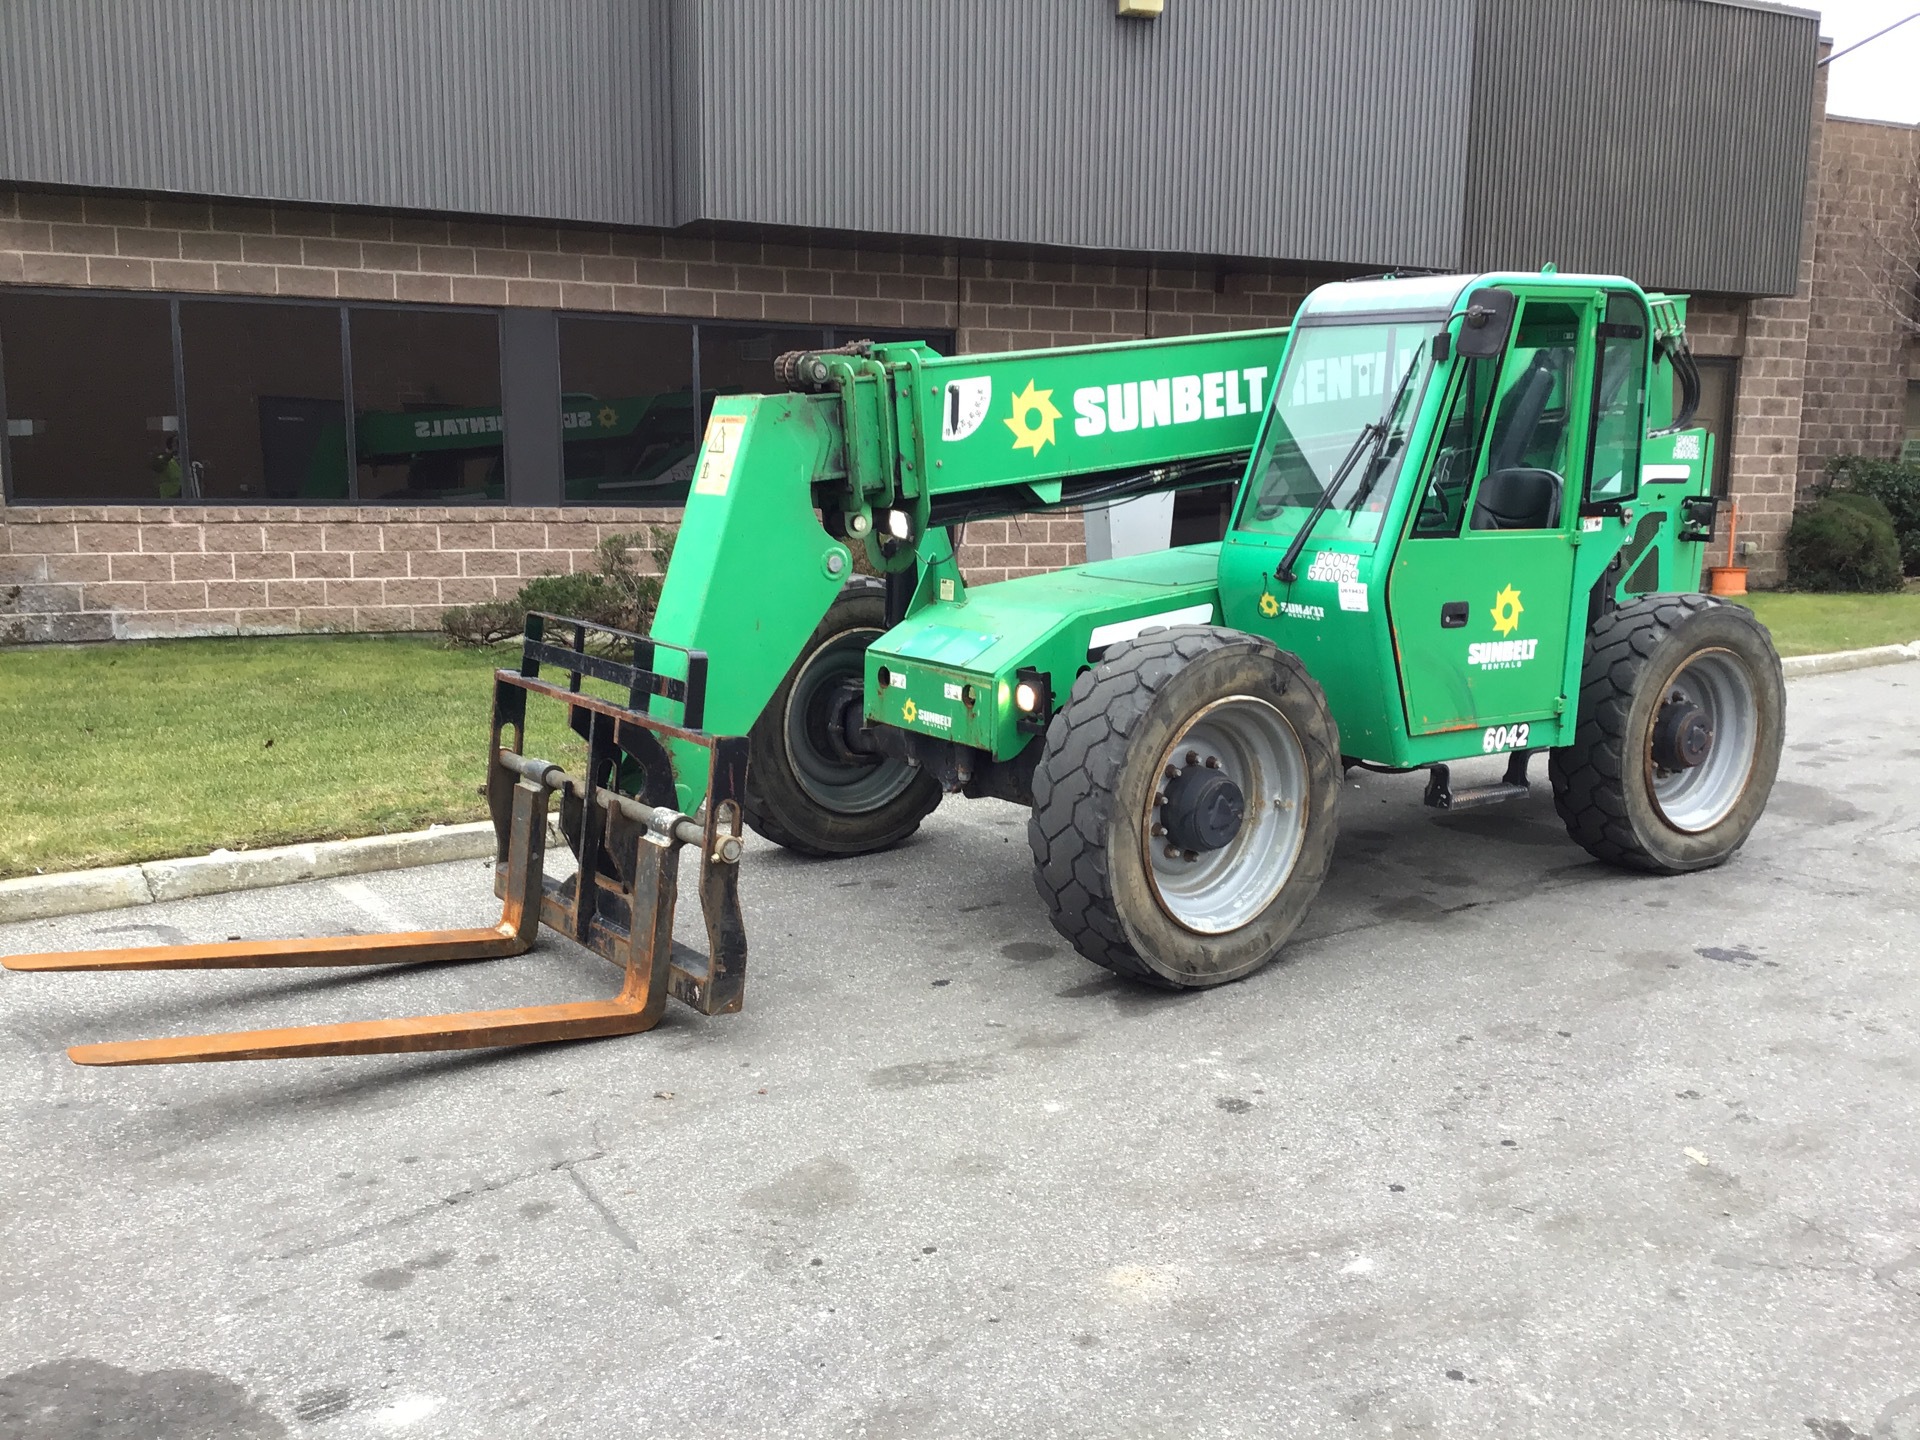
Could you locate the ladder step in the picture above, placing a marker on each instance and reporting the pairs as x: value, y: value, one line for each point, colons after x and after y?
x: 1492, y: 794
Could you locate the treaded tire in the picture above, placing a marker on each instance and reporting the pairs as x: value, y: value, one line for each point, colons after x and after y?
x: 1603, y: 783
x: 1094, y: 787
x: 777, y: 802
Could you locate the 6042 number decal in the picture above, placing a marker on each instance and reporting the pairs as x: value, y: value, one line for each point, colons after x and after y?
x: 1503, y: 737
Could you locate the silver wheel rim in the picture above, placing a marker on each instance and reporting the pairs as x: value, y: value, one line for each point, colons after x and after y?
x: 1700, y: 798
x: 1219, y: 891
x: 846, y: 786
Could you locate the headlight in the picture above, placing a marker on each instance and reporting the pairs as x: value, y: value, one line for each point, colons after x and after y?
x: 1033, y: 699
x: 900, y: 524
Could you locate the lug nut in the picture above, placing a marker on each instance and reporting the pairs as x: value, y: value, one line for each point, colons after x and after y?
x: 1213, y: 762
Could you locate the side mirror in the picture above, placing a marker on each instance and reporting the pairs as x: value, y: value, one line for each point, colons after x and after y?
x: 1486, y: 324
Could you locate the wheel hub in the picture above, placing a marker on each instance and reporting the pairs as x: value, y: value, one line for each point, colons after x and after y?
x: 1682, y: 733
x: 1225, y: 818
x: 824, y: 729
x: 845, y: 729
x: 1204, y: 809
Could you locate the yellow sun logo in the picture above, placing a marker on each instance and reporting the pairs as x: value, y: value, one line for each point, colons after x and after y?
x: 1269, y: 606
x: 1028, y: 433
x: 911, y: 713
x: 1506, y: 611
x: 607, y: 417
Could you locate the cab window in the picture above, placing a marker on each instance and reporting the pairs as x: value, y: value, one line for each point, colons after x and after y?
x: 1445, y: 501
x: 1529, y: 446
x: 1619, y: 402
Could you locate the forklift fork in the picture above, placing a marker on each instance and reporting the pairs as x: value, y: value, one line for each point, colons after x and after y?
x: 620, y: 903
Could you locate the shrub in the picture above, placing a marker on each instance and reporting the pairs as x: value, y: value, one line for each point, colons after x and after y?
x: 615, y: 592
x: 1894, y: 485
x: 487, y: 623
x: 1841, y: 543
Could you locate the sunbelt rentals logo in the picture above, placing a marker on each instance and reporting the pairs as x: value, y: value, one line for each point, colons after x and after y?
x: 1503, y: 654
x: 1032, y: 420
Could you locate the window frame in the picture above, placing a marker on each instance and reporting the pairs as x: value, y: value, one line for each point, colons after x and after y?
x: 1604, y: 331
x: 13, y: 501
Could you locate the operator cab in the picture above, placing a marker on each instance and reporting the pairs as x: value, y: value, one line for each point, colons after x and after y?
x: 1437, y: 451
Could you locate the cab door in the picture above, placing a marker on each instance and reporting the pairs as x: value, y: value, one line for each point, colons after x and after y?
x: 1481, y: 588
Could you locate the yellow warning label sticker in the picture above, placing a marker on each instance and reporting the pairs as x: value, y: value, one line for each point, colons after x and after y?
x: 717, y: 454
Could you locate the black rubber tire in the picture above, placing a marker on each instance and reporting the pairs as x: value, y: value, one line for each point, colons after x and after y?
x: 777, y: 804
x: 1094, y: 783
x: 1602, y: 783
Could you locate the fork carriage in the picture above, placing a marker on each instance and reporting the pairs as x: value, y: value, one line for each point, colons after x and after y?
x: 620, y: 902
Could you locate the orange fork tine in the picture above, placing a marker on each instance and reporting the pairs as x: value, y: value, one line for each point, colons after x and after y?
x: 418, y: 946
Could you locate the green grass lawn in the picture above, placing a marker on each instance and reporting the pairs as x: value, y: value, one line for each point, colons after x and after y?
x: 126, y: 752
x: 1814, y: 624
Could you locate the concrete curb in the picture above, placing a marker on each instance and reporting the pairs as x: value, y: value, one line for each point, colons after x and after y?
x: 1835, y: 661
x: 77, y: 892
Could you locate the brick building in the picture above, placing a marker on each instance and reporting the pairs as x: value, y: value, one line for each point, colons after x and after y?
x: 1862, y: 379
x: 390, y: 386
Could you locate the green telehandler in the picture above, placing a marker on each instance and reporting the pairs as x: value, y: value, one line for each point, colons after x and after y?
x: 1469, y: 522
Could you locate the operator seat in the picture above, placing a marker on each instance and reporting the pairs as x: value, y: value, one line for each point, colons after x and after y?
x: 1520, y: 498
x: 1515, y: 495
x: 1521, y: 416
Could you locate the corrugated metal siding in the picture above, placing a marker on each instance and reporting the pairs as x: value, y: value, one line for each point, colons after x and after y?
x: 1666, y: 139
x: 1662, y: 139
x: 1331, y: 130
x: 500, y: 107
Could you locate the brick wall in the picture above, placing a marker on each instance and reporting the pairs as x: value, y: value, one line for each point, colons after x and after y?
x: 1763, y: 468
x: 1716, y: 325
x: 119, y: 572
x: 185, y: 570
x: 1860, y: 332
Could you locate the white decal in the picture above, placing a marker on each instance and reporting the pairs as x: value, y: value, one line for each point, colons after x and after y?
x: 1333, y: 567
x: 458, y: 425
x: 1353, y: 595
x: 966, y: 404
x: 1665, y: 474
x: 1686, y: 447
x: 946, y: 589
x: 937, y: 721
x: 1347, y: 377
x: 717, y: 454
x: 1591, y: 524
x: 952, y: 690
x: 1503, y: 737
x: 1118, y: 630
x: 1176, y: 400
x: 1501, y: 654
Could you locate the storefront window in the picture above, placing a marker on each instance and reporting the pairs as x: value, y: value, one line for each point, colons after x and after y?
x: 94, y: 386
x: 628, y: 423
x: 426, y: 406
x: 265, y: 418
x: 88, y: 382
x: 738, y: 359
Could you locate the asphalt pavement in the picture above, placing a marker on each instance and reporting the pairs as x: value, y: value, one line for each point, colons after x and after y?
x: 1507, y: 1144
